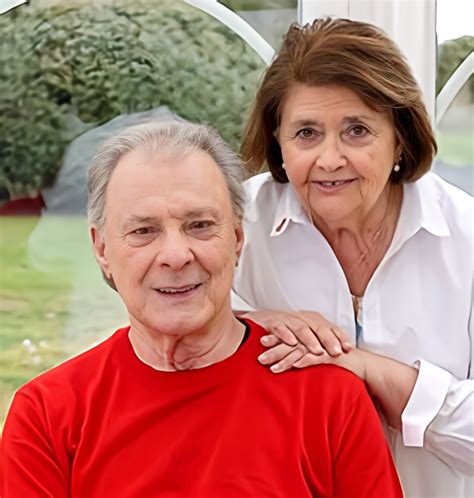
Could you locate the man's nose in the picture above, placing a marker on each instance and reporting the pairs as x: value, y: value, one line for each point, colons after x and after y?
x: 331, y: 155
x: 174, y: 251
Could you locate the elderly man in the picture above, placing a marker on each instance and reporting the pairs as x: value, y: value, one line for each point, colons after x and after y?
x: 176, y: 404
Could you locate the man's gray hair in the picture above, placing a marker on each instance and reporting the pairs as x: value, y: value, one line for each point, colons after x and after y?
x: 172, y: 138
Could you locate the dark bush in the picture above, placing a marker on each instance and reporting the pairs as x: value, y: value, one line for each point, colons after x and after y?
x: 450, y: 55
x: 69, y: 69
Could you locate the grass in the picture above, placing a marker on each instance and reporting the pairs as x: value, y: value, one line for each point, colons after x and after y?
x: 456, y: 148
x: 53, y: 302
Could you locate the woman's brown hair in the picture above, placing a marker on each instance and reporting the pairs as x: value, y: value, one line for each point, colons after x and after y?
x: 356, y: 55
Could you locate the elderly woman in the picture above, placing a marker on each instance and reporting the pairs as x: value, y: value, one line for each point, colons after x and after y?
x: 350, y: 225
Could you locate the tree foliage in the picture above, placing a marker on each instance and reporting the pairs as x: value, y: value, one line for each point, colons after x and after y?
x: 259, y: 4
x: 450, y: 55
x: 67, y: 69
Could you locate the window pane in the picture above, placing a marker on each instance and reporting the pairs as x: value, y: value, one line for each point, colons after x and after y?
x: 455, y: 160
x: 73, y: 74
x: 270, y: 18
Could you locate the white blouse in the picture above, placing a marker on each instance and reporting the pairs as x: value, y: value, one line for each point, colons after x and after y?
x: 417, y: 308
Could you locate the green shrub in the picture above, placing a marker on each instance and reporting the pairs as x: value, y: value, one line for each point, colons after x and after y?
x: 450, y: 55
x: 68, y: 69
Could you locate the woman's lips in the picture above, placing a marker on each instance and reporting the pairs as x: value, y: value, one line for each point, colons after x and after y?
x: 332, y: 186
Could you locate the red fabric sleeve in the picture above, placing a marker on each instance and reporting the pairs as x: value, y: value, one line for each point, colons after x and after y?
x: 363, y: 463
x: 29, y: 464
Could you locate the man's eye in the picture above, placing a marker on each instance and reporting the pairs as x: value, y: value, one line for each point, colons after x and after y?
x: 141, y: 231
x: 200, y: 225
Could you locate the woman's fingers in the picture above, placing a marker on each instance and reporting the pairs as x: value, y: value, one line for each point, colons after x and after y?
x: 288, y: 361
x: 309, y: 360
x: 306, y: 328
x: 331, y: 338
x: 269, y: 341
x: 283, y: 330
x: 329, y: 341
x: 278, y: 353
x: 307, y: 337
x: 282, y: 357
x: 343, y: 339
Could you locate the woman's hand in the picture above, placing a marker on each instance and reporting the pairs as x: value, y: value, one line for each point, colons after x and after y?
x: 282, y: 357
x: 305, y: 331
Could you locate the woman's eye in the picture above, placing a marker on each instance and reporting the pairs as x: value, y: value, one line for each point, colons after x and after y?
x: 358, y: 131
x: 306, y: 133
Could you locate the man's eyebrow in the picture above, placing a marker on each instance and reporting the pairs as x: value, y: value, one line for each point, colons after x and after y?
x: 190, y: 213
x: 200, y: 212
x: 134, y: 219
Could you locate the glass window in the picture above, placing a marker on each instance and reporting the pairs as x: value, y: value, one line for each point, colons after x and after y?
x: 73, y: 74
x: 270, y: 18
x: 455, y: 160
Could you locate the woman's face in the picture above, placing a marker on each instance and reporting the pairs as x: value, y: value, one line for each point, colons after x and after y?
x: 338, y: 153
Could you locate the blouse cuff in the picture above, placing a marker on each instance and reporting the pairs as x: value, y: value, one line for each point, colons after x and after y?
x: 425, y: 402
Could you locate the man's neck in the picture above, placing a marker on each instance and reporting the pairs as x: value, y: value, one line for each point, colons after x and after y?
x: 200, y: 348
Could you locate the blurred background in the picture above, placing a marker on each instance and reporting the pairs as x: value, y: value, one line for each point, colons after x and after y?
x: 75, y: 72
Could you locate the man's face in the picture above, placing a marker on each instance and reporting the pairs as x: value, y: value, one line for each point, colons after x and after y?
x: 170, y: 242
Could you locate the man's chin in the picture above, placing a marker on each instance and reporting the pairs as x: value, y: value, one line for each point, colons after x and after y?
x: 178, y: 325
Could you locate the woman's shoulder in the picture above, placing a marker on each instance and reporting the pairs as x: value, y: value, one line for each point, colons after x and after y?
x: 455, y: 206
x: 262, y: 188
x: 451, y: 197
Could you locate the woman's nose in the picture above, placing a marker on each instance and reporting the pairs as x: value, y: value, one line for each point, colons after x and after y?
x: 330, y: 155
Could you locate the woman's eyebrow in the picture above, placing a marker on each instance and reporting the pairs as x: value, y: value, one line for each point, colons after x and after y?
x: 357, y: 118
x: 301, y: 123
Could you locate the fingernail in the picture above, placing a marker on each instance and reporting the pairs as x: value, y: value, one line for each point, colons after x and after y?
x: 275, y: 368
x: 338, y: 350
x: 262, y: 357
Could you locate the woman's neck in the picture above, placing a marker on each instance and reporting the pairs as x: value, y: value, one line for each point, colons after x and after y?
x: 360, y: 244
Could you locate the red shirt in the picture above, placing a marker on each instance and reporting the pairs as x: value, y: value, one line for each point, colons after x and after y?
x: 104, y: 424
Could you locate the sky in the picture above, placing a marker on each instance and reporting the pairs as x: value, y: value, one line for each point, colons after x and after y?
x: 454, y: 18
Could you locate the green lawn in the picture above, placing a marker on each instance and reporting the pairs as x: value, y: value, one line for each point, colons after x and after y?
x: 53, y: 302
x: 456, y: 148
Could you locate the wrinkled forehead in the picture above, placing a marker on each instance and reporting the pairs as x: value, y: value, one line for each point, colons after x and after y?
x: 302, y: 93
x: 145, y: 179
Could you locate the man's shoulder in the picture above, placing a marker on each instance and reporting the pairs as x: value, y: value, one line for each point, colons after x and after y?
x: 326, y: 380
x: 77, y: 370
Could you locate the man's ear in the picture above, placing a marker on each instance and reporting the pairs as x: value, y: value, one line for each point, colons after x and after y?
x: 98, y: 244
x: 239, y: 238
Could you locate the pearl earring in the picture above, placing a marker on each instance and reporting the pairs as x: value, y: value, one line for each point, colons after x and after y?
x: 396, y: 168
x: 283, y: 165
